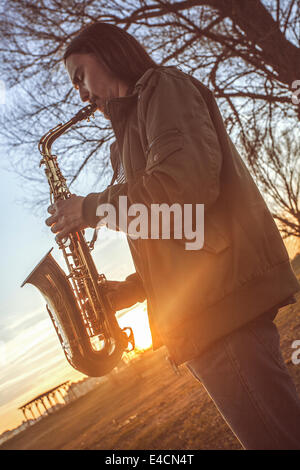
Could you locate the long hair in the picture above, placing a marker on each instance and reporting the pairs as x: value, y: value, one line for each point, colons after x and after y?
x: 125, y: 57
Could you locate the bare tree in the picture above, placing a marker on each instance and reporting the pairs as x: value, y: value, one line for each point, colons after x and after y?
x: 247, y: 52
x: 277, y: 172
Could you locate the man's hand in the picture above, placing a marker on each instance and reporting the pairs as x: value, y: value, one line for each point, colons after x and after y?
x: 66, y: 217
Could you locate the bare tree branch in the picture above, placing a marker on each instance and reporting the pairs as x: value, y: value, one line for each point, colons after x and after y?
x: 247, y: 52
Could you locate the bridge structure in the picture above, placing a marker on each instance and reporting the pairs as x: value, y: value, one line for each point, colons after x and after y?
x: 47, y: 401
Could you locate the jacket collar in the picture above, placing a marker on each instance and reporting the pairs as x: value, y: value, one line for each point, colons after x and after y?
x: 124, y: 101
x: 144, y: 78
x: 117, y: 108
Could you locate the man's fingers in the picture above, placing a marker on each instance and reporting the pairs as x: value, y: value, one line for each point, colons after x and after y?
x: 59, y: 238
x: 51, y: 220
x: 65, y: 217
x: 54, y: 228
x: 59, y: 225
x: 51, y: 209
x: 61, y: 235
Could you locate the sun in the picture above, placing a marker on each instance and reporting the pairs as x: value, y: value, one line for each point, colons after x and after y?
x: 137, y: 319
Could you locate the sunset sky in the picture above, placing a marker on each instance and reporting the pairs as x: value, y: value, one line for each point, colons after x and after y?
x: 31, y: 358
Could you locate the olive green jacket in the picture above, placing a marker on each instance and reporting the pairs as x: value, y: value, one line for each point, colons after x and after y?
x: 172, y: 147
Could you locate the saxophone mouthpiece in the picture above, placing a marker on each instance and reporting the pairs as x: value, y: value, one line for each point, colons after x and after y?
x: 85, y: 113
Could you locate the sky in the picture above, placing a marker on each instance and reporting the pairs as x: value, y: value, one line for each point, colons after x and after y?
x: 31, y: 358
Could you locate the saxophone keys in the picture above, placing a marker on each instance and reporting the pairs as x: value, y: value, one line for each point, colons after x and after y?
x: 129, y: 338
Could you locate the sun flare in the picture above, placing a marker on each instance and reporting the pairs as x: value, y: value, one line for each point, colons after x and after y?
x: 137, y: 319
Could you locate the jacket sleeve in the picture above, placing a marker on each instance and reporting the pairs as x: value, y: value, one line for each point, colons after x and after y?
x: 183, y: 153
x: 127, y: 293
x: 135, y: 283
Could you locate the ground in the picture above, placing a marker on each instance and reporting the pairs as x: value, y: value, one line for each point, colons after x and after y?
x: 148, y: 406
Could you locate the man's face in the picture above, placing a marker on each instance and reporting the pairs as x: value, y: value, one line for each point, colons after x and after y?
x: 93, y: 80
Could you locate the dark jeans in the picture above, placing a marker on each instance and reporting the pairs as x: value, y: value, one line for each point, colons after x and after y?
x: 246, y: 377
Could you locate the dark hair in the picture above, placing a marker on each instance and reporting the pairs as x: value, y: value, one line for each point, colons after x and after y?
x: 120, y: 51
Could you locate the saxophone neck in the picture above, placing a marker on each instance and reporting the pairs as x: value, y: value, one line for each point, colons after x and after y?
x: 57, y: 182
x: 49, y: 138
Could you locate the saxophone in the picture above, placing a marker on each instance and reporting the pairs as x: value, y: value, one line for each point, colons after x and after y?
x: 77, y: 303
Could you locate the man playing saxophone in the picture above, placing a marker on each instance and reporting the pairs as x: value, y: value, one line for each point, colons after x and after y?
x: 213, y: 308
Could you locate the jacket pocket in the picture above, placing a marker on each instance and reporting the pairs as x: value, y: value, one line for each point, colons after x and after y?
x: 162, y: 147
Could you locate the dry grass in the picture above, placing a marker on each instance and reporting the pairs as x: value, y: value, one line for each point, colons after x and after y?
x: 148, y: 406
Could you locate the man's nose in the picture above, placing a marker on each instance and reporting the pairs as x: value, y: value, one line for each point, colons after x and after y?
x: 84, y: 94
